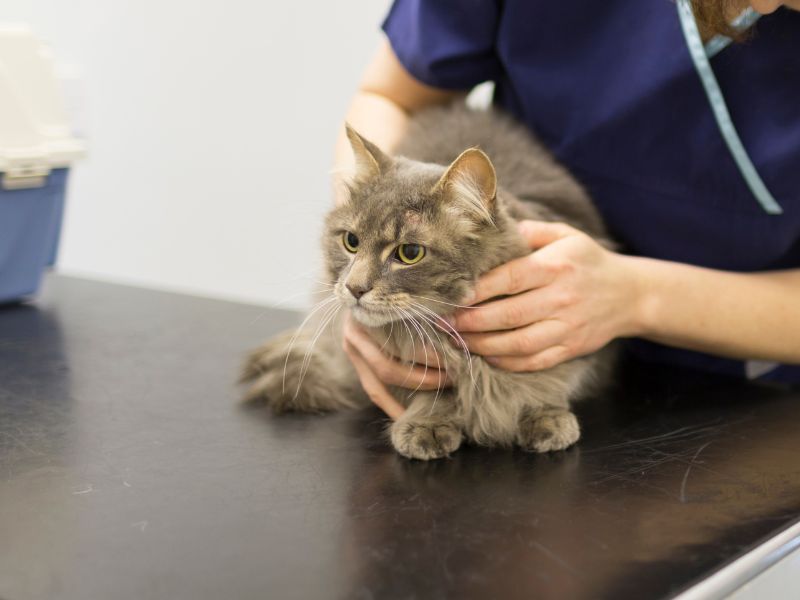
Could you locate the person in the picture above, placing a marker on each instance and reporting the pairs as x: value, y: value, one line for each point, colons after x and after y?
x: 689, y: 146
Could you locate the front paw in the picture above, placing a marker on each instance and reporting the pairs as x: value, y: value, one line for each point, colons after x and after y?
x: 425, y: 440
x: 549, y: 431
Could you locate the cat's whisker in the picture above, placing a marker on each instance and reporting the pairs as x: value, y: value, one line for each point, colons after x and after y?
x: 434, y: 329
x: 427, y: 333
x: 438, y: 363
x: 423, y: 336
x: 319, y: 328
x: 447, y: 328
x: 389, y: 335
x: 278, y: 305
x: 285, y: 300
x: 455, y: 335
x: 442, y: 324
x: 411, y: 338
x: 419, y: 330
x: 329, y: 316
x: 443, y: 302
x: 321, y: 304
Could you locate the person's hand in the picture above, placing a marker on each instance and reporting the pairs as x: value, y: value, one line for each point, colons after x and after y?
x: 568, y: 298
x: 376, y: 369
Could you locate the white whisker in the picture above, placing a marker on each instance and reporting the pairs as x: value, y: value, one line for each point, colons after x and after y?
x: 443, y: 302
x: 410, y: 318
x: 388, y: 335
x: 413, y: 346
x: 439, y: 350
x: 456, y: 336
x: 321, y: 304
x: 307, y: 357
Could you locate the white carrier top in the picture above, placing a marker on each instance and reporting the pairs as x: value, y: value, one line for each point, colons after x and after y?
x: 34, y: 131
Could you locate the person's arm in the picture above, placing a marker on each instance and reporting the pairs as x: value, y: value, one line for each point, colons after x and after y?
x: 570, y: 297
x: 380, y: 109
x: 738, y: 315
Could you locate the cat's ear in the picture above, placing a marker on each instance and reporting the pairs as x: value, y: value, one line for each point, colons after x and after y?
x: 471, y: 179
x: 369, y: 160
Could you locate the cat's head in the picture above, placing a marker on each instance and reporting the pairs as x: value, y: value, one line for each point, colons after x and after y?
x: 410, y: 238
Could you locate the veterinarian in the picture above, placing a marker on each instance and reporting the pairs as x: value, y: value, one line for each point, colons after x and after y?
x: 689, y: 145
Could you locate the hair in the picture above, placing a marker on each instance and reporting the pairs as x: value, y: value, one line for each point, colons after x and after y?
x: 713, y: 18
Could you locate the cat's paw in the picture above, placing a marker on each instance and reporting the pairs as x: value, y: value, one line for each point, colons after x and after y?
x: 425, y: 440
x: 549, y: 431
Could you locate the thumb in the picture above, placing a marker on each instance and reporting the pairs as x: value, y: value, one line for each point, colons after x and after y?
x: 541, y: 233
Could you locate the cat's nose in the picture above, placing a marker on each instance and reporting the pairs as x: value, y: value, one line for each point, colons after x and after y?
x: 357, y: 290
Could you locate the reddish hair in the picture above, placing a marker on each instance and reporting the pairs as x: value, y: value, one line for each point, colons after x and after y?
x: 713, y: 17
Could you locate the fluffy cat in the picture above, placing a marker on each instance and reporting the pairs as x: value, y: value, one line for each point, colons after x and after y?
x: 415, y: 233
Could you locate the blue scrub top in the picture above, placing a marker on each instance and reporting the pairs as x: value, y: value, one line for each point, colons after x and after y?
x: 611, y: 89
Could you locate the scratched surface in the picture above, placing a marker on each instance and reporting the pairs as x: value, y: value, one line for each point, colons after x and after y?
x: 128, y: 471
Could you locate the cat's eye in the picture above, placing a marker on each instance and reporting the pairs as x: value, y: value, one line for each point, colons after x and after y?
x: 410, y: 254
x: 350, y: 241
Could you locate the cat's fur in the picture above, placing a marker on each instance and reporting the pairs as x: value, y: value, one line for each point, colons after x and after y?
x: 468, y: 226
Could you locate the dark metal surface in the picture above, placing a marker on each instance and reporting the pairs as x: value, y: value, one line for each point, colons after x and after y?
x: 127, y: 470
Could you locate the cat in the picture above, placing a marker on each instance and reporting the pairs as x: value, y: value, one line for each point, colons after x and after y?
x: 414, y: 233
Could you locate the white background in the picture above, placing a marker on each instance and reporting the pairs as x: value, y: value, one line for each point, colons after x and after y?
x: 211, y: 127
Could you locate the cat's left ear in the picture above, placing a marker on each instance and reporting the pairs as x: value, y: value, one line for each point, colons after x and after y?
x: 471, y: 179
x: 370, y: 162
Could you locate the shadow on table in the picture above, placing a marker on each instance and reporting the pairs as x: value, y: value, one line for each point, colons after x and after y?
x: 35, y: 405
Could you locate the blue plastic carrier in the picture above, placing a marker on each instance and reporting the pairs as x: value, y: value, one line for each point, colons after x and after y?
x: 37, y: 149
x: 30, y: 224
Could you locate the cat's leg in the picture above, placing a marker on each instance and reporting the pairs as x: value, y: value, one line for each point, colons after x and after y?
x: 548, y: 429
x: 300, y: 375
x: 546, y: 423
x: 429, y: 428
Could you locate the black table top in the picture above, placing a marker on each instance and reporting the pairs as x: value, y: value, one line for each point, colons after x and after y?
x: 129, y: 470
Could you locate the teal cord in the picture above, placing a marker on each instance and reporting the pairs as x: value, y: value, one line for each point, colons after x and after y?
x: 718, y: 43
x: 720, y: 110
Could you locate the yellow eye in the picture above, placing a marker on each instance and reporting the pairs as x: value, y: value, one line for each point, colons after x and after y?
x: 410, y: 254
x: 350, y: 241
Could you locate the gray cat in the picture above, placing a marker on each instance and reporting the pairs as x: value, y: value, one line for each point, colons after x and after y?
x: 403, y: 251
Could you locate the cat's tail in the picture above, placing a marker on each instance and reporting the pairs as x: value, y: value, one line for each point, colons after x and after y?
x: 296, y: 372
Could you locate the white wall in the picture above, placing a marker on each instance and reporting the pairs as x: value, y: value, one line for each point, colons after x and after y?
x: 211, y: 126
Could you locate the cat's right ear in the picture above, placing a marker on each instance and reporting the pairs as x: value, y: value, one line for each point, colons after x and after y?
x: 370, y: 162
x: 471, y: 178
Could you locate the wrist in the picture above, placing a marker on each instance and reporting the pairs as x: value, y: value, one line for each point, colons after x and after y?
x: 642, y: 301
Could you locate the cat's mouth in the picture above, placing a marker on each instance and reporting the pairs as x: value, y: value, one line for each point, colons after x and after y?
x: 366, y: 310
x: 370, y: 316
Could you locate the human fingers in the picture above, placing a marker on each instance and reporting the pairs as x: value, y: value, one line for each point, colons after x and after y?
x: 507, y: 313
x: 423, y: 354
x: 515, y: 276
x: 526, y: 272
x: 373, y: 386
x: 546, y: 359
x: 524, y: 341
x: 392, y: 371
x: 538, y: 234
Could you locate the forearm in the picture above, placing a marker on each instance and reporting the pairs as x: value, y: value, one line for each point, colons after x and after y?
x: 737, y: 315
x: 382, y: 105
x: 378, y: 119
